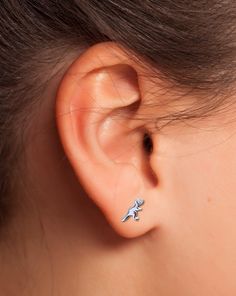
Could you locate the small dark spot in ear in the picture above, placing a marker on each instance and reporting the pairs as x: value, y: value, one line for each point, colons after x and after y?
x: 209, y: 199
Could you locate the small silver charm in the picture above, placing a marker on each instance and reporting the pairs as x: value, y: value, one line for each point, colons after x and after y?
x: 133, y: 211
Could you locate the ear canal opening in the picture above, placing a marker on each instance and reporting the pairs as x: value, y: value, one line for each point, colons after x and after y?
x: 147, y: 143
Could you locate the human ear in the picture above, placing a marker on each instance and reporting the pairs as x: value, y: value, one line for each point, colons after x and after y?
x: 96, y: 104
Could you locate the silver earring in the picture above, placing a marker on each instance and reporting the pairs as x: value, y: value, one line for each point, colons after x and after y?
x: 133, y: 211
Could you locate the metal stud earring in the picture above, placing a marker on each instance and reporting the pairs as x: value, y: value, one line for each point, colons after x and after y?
x: 133, y: 211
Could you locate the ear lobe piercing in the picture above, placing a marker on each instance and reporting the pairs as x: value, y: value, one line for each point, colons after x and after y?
x: 133, y: 211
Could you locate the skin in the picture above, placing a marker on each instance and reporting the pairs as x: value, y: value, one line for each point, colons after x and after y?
x: 84, y: 170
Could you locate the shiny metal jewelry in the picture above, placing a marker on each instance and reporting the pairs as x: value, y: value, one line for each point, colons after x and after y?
x: 133, y: 211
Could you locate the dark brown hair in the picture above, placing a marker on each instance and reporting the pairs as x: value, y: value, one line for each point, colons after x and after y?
x: 191, y: 43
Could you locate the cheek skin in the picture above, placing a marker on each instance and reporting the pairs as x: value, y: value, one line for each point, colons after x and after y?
x: 197, y: 178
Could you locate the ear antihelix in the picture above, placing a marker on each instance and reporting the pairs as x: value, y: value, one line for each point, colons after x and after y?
x: 117, y: 84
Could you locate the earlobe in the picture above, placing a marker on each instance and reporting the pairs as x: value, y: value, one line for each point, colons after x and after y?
x: 98, y: 143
